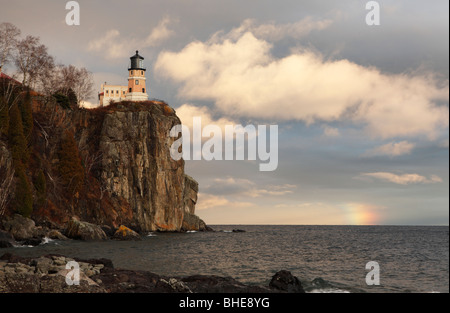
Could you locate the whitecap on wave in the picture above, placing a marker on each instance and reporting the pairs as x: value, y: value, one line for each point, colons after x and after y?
x: 46, y: 240
x: 329, y: 290
x: 23, y: 246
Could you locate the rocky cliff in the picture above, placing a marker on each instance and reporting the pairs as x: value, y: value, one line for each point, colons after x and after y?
x: 129, y: 176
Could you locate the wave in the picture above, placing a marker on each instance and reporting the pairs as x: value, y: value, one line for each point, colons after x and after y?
x: 191, y: 231
x: 151, y: 235
x: 320, y: 285
x: 22, y: 246
x: 46, y: 240
x: 328, y: 290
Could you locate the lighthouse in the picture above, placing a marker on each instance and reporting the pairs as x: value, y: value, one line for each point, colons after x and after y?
x: 136, y: 79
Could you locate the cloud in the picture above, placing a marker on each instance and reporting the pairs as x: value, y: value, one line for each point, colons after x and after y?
x: 114, y: 46
x: 444, y: 143
x: 404, y: 179
x: 208, y: 201
x: 160, y: 33
x: 88, y: 105
x: 243, y: 79
x: 111, y: 45
x: 247, y: 188
x: 392, y: 149
x: 187, y: 112
x: 331, y: 132
x: 275, y: 32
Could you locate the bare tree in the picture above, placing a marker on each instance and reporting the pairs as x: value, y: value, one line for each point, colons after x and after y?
x: 79, y: 80
x: 85, y: 85
x: 68, y: 75
x: 8, y: 42
x: 31, y: 59
x: 44, y: 77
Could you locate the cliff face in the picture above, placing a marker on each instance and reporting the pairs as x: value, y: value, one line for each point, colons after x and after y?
x: 129, y: 176
x: 134, y: 163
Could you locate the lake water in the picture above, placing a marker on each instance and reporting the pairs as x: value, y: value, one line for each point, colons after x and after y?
x: 410, y: 258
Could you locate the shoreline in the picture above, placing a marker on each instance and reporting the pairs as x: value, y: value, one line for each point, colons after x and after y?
x: 52, y: 274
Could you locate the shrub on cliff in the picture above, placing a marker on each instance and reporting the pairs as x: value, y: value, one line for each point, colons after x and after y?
x: 70, y: 167
x: 23, y: 198
x: 16, y: 138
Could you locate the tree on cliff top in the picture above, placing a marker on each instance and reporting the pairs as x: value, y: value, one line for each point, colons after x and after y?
x: 70, y: 167
x: 32, y: 60
x: 8, y: 42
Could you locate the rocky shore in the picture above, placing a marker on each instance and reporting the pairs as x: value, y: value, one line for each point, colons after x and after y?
x: 47, y: 274
x: 18, y: 230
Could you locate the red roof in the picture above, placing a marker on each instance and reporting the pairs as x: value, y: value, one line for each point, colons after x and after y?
x: 3, y: 75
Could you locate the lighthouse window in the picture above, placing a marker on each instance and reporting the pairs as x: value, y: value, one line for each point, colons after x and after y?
x: 129, y: 90
x: 137, y: 82
x: 132, y: 72
x: 142, y: 72
x: 143, y: 90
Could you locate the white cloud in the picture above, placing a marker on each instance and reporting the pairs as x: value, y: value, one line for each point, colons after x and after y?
x: 111, y: 45
x: 187, y: 112
x: 208, y: 201
x: 88, y: 105
x: 243, y: 79
x: 160, y: 33
x: 114, y: 46
x: 393, y: 149
x: 404, y: 179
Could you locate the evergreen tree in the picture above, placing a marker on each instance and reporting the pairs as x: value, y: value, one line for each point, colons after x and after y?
x: 4, y: 117
x: 41, y: 188
x: 16, y: 138
x: 70, y: 166
x: 72, y: 98
x: 26, y: 110
x: 62, y: 100
x: 23, y: 199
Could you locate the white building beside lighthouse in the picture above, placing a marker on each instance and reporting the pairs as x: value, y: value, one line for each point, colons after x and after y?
x: 136, y: 89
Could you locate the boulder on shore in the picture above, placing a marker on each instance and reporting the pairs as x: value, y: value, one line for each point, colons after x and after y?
x: 192, y: 222
x: 21, y: 228
x: 55, y: 234
x: 6, y: 240
x: 84, y: 231
x: 124, y: 233
x: 285, y: 281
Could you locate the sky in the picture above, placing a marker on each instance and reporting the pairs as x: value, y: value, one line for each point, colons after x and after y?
x: 362, y: 111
